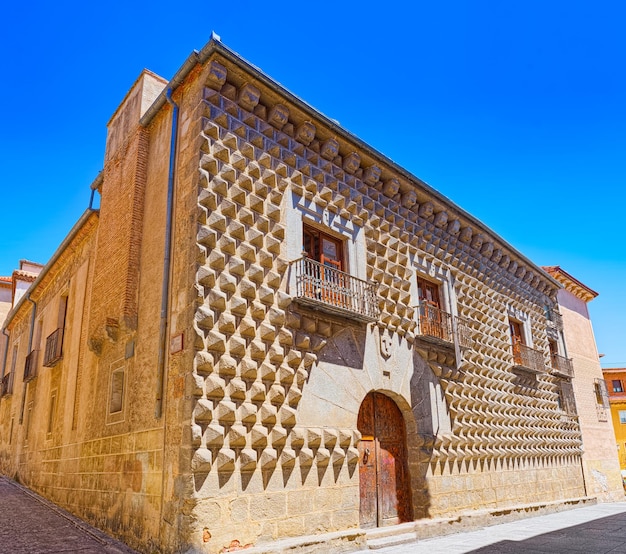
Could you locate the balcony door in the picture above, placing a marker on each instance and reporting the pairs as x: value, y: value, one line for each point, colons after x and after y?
x: 517, y: 339
x: 431, y: 318
x: 330, y: 283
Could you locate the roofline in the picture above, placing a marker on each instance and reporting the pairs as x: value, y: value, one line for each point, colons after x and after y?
x: 46, y: 268
x: 559, y: 269
x: 216, y: 46
x: 144, y: 71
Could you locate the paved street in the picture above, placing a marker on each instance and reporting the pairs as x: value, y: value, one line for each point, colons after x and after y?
x: 590, y: 530
x: 30, y: 524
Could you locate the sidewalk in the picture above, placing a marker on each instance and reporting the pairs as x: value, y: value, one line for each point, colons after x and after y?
x: 594, y: 529
x: 30, y: 524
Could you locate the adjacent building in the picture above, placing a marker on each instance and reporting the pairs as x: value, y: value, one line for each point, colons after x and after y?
x: 615, y: 383
x: 269, y: 330
x: 600, y: 463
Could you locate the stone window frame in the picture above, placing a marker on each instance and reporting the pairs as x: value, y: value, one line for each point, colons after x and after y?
x: 439, y: 274
x: 116, y: 367
x: 566, y: 397
x: 301, y: 211
x: 52, y: 413
x: 621, y: 414
x: 525, y: 321
x: 601, y: 393
x: 30, y: 406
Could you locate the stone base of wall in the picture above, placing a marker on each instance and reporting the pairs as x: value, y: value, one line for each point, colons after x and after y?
x: 361, y: 539
x: 604, y: 480
x: 338, y: 542
x: 455, y: 488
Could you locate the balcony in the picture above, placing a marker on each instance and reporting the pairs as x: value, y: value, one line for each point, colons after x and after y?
x: 435, y: 325
x: 54, y: 348
x: 528, y: 359
x: 561, y: 366
x: 30, y: 367
x: 6, y: 385
x: 329, y: 290
x: 554, y: 319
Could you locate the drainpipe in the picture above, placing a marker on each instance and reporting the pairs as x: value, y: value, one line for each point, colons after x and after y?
x: 29, y: 350
x: 32, y: 322
x: 165, y: 289
x: 6, y: 352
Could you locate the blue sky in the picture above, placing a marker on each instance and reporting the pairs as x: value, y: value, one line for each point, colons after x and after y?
x: 514, y: 110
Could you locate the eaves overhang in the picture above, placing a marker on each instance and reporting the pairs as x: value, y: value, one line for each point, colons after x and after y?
x: 216, y: 47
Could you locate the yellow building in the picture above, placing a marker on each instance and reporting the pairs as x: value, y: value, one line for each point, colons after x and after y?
x: 270, y: 332
x: 615, y: 380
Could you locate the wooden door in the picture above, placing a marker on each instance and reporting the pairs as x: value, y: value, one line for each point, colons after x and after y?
x: 330, y: 283
x: 517, y: 338
x: 431, y: 322
x: 383, y: 473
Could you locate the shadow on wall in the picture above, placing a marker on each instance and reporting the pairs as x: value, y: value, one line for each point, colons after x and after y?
x: 430, y: 419
x: 346, y: 348
x: 272, y: 446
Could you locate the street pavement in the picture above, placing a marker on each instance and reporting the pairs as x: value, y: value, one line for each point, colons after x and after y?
x: 29, y: 524
x: 595, y: 529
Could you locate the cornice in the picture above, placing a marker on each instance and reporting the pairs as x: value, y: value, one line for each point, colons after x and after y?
x: 391, y: 187
x: 571, y: 284
x: 233, y: 76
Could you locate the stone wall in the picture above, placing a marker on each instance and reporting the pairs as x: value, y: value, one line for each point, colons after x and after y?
x: 600, y: 460
x: 276, y: 402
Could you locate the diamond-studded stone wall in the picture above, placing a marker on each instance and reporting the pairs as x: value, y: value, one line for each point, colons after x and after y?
x: 256, y: 349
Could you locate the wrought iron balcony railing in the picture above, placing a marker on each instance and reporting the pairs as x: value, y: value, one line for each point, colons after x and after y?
x: 6, y: 385
x: 555, y: 319
x: 334, y: 291
x: 30, y: 367
x: 436, y: 324
x: 54, y: 348
x: 561, y: 365
x: 528, y: 358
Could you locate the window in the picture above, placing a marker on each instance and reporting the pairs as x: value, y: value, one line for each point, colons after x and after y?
x: 602, y: 395
x: 566, y: 399
x: 617, y: 385
x: 51, y: 413
x: 29, y: 418
x: 524, y: 356
x: 554, y: 348
x: 434, y: 322
x: 322, y: 280
x: 323, y: 248
x: 517, y: 335
x: 622, y: 417
x: 54, y: 342
x: 116, y: 401
x: 6, y: 385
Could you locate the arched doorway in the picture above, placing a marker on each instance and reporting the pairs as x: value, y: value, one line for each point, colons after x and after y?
x: 383, y: 471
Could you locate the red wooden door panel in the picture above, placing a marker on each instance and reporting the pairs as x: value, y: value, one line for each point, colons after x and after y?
x: 384, y: 482
x: 367, y: 482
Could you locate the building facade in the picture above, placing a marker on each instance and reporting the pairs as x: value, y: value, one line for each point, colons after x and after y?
x: 269, y: 330
x: 600, y: 463
x: 615, y: 381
